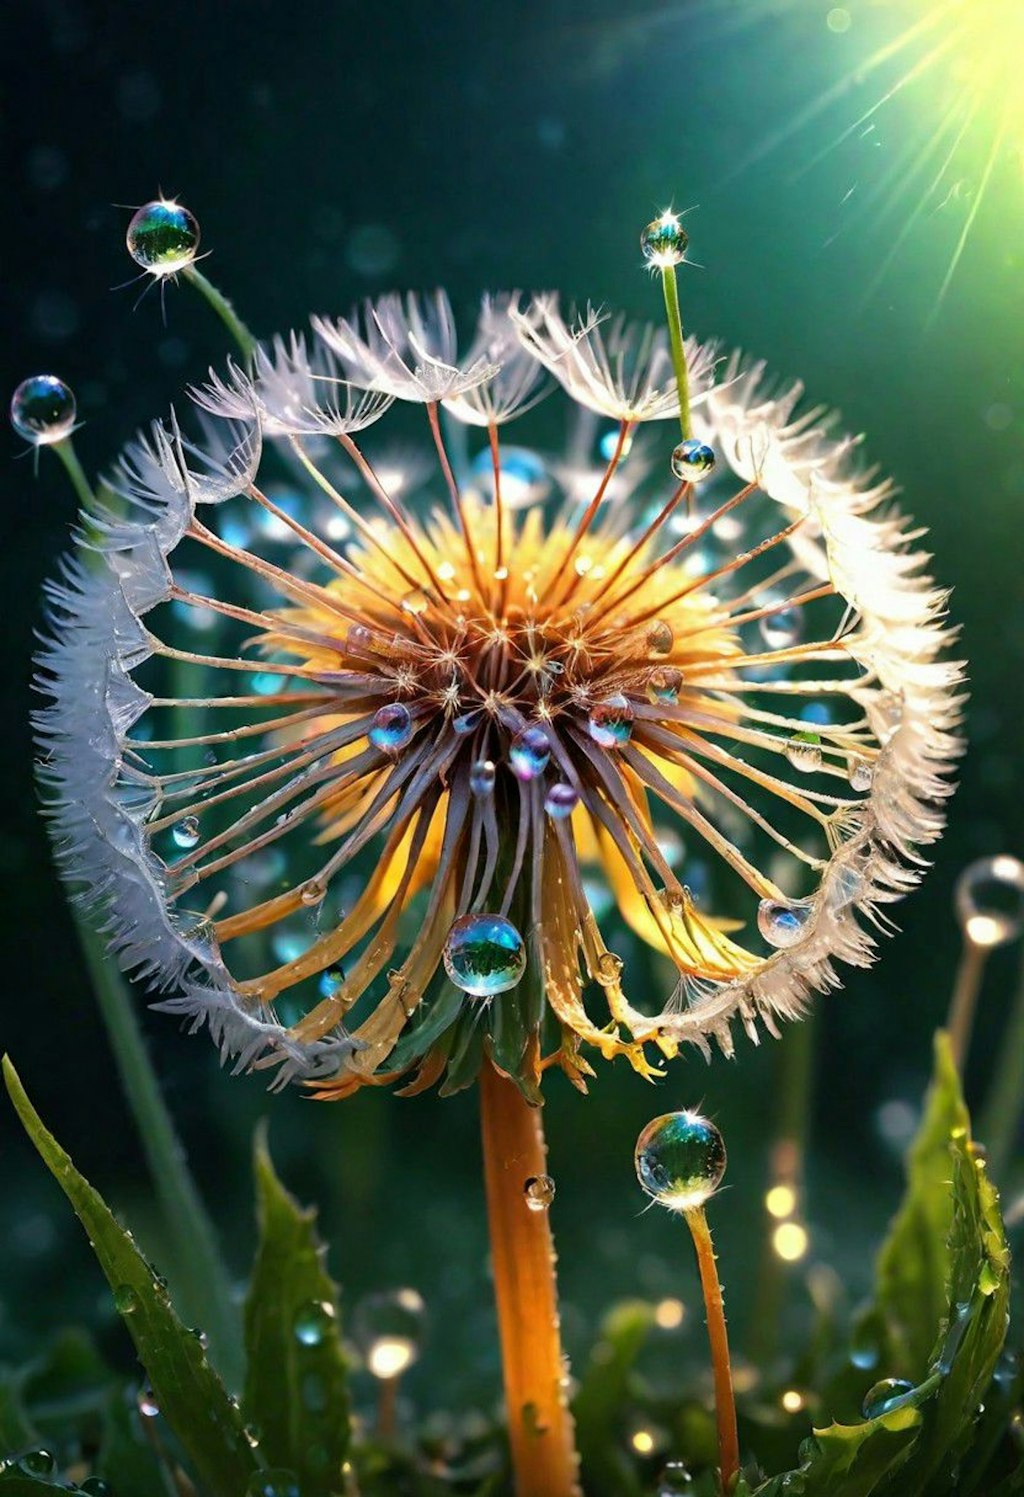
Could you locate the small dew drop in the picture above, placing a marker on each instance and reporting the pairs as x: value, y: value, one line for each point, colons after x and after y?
x: 481, y: 778
x: 887, y: 1394
x: 43, y: 410
x: 148, y: 1406
x: 185, y: 833
x: 37, y: 1463
x: 539, y: 1192
x: 611, y: 722
x: 782, y: 924
x: 312, y: 1322
x: 126, y: 1301
x: 859, y: 773
x: 663, y: 684
x: 783, y: 628
x: 560, y: 801
x: 803, y: 750
x: 465, y: 723
x: 95, y: 1486
x: 660, y: 637
x: 312, y: 891
x: 391, y: 728
x: 692, y: 460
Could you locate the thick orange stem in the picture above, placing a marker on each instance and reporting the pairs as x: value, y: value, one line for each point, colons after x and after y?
x: 539, y: 1423
x: 714, y: 1308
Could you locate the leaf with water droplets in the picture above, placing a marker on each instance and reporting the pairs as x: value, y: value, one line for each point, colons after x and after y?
x: 296, y: 1385
x: 190, y: 1394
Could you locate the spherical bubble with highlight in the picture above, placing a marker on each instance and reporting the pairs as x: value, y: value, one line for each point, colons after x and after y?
x: 43, y: 410
x: 529, y: 753
x: 782, y: 924
x: 484, y: 955
x: 391, y: 728
x: 680, y: 1160
x: 664, y: 683
x: 664, y: 241
x: 162, y: 237
x: 560, y: 801
x: 692, y: 460
x: 481, y: 778
x: 989, y: 899
x: 888, y: 1394
x: 389, y: 1329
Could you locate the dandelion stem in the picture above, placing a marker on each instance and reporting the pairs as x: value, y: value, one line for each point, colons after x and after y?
x: 65, y: 450
x: 675, y: 338
x: 224, y: 310
x: 964, y: 1000
x: 204, y: 1282
x: 1005, y: 1102
x: 714, y: 1309
x: 540, y: 1425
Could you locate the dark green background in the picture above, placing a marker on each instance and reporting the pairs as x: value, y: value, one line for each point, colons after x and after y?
x: 501, y: 145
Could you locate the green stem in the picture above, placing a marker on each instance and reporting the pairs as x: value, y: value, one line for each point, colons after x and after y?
x: 65, y: 450
x: 675, y: 338
x: 794, y: 1086
x: 200, y: 1271
x: 224, y: 310
x: 1004, y: 1104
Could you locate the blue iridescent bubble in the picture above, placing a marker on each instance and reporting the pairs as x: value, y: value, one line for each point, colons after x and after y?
x: 692, y: 460
x: 680, y: 1160
x: 783, y: 924
x: 530, y: 752
x: 391, y: 728
x: 466, y: 722
x: 43, y: 410
x: 162, y: 237
x: 484, y: 955
x: 481, y: 777
x: 560, y: 801
x: 663, y: 684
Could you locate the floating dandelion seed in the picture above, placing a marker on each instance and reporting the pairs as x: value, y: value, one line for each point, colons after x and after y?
x: 477, y: 712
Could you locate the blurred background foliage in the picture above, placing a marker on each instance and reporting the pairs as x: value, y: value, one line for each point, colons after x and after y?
x: 336, y: 150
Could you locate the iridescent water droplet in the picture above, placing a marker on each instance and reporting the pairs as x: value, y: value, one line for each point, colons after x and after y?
x: 887, y: 1394
x: 162, y: 237
x: 43, y: 410
x: 664, y: 683
x: 481, y: 778
x: 330, y: 982
x: 611, y: 722
x: 465, y: 723
x: 560, y: 801
x: 313, y: 1322
x: 391, y: 728
x: 484, y: 955
x: 530, y: 752
x: 989, y: 900
x: 680, y: 1160
x: 416, y: 601
x: 37, y: 1463
x: 389, y: 1329
x: 126, y: 1301
x: 539, y: 1192
x: 663, y: 242
x: 783, y: 628
x: 660, y: 637
x: 185, y: 833
x: 782, y: 924
x: 149, y: 1408
x: 803, y: 750
x: 859, y: 773
x: 692, y: 460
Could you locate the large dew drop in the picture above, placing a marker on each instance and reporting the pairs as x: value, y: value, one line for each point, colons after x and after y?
x: 664, y: 242
x: 484, y: 955
x: 803, y: 751
x: 185, y: 833
x: 529, y: 753
x: 693, y: 460
x: 43, y: 410
x: 389, y: 1329
x: 680, y: 1160
x: 989, y: 900
x: 782, y: 924
x: 560, y: 801
x: 888, y: 1394
x: 162, y: 237
x: 783, y: 628
x: 391, y: 728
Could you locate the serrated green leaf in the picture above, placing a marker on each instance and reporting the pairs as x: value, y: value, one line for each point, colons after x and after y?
x: 913, y: 1266
x: 191, y: 1396
x: 849, y: 1460
x: 604, y: 1395
x: 296, y: 1386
